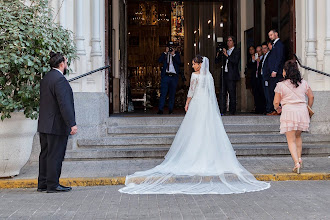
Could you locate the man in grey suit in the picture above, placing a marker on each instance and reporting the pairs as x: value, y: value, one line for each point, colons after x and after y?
x: 56, y: 122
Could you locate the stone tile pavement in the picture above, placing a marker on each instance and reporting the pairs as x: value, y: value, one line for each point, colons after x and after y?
x: 123, y: 167
x: 284, y: 200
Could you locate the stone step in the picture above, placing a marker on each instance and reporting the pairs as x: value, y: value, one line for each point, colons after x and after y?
x: 157, y: 152
x: 176, y: 120
x: 135, y: 130
x: 168, y: 139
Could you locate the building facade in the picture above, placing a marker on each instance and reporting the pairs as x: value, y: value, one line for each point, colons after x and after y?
x: 117, y: 32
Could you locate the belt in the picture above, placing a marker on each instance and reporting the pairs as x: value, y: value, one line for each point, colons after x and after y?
x: 170, y: 74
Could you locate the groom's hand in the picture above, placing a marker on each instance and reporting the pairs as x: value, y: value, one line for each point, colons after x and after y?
x: 74, y: 130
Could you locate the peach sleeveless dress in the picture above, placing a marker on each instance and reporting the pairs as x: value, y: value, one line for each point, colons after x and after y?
x: 294, y: 114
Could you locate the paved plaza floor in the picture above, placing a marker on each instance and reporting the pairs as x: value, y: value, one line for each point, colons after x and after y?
x: 284, y: 200
x: 123, y: 167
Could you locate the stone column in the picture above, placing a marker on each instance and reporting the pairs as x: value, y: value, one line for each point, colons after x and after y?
x: 62, y: 12
x: 310, y: 18
x: 96, y: 41
x: 79, y: 64
x: 327, y: 27
x: 95, y: 81
x: 311, y: 40
x: 79, y: 27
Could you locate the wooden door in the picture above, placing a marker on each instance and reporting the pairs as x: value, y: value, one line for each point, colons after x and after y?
x: 280, y: 15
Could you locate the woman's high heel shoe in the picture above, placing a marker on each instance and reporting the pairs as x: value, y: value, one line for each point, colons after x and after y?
x: 301, y: 163
x: 296, y: 168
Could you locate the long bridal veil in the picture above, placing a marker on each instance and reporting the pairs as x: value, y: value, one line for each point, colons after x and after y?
x: 201, y: 159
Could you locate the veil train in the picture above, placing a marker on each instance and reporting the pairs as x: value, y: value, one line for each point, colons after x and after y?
x: 201, y: 159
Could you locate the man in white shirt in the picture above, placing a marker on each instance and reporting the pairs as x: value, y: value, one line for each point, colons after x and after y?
x: 169, y: 77
x: 257, y: 84
x: 230, y: 76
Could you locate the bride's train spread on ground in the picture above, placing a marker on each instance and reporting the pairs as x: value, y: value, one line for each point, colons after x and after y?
x: 201, y: 159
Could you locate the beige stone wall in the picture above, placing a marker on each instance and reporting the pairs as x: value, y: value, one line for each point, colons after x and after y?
x: 86, y: 19
x: 311, y: 41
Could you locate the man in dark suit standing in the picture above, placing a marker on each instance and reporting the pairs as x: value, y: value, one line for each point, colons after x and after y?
x: 257, y: 82
x: 230, y: 75
x: 169, y: 77
x: 56, y: 122
x: 265, y: 73
x: 276, y: 61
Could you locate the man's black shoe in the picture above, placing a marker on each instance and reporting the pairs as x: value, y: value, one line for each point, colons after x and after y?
x: 59, y: 189
x: 68, y: 187
x: 160, y: 112
x: 41, y: 189
x: 170, y: 112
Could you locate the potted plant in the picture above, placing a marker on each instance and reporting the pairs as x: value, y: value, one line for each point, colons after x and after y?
x: 27, y: 35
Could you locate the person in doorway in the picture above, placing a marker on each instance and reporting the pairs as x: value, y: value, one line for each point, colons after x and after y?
x: 250, y: 69
x: 169, y: 77
x: 276, y: 61
x: 258, y: 90
x: 265, y: 74
x: 230, y: 76
x: 56, y: 122
x: 291, y: 94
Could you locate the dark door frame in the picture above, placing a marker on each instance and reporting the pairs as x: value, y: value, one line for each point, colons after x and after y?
x: 108, y: 53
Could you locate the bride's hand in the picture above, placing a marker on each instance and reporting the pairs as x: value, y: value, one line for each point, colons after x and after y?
x: 186, y: 107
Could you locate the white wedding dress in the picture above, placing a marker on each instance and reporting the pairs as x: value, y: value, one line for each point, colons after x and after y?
x: 201, y: 159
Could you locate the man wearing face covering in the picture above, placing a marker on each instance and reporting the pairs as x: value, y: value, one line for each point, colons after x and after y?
x: 56, y: 122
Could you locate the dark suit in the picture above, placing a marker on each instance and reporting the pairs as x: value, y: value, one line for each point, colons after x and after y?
x: 258, y: 90
x: 56, y: 117
x: 169, y: 83
x: 266, y: 76
x: 230, y: 78
x: 276, y: 63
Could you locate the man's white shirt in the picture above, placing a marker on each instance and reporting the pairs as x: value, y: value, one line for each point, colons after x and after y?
x: 58, y: 70
x: 229, y: 51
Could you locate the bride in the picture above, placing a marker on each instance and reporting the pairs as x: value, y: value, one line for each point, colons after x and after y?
x: 201, y: 159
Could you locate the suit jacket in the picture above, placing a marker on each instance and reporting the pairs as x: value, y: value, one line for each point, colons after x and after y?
x: 56, y: 113
x: 266, y: 72
x: 233, y: 61
x: 276, y: 59
x: 176, y: 63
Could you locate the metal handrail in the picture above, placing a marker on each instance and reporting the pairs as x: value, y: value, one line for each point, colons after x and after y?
x: 89, y: 73
x: 311, y: 69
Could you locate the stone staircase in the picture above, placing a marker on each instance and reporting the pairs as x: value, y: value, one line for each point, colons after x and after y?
x: 151, y: 137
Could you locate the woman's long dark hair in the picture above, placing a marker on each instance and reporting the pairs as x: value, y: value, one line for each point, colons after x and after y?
x: 292, y: 72
x: 250, y: 55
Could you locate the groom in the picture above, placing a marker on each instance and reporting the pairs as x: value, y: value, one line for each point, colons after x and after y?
x: 56, y: 122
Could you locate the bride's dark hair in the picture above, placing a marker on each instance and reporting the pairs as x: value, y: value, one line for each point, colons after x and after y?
x: 198, y: 59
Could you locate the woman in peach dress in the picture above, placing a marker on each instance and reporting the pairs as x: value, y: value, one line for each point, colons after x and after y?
x: 291, y: 94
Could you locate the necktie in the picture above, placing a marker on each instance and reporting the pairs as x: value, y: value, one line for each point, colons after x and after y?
x: 257, y: 69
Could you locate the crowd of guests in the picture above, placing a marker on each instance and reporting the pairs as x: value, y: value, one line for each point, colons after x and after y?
x: 263, y: 71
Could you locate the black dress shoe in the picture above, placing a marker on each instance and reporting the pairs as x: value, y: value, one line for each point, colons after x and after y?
x: 170, y: 112
x: 160, y: 112
x: 59, y: 189
x: 41, y: 189
x: 66, y: 187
